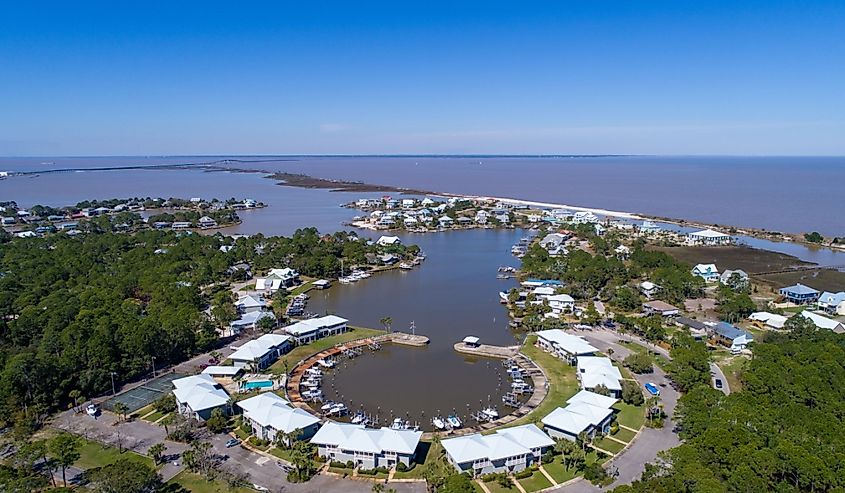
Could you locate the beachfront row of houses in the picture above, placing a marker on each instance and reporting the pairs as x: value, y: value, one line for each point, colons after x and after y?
x: 830, y: 302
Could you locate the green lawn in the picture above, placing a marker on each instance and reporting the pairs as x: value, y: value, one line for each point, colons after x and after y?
x: 630, y: 416
x: 536, y: 482
x: 141, y: 412
x: 609, y: 445
x: 197, y: 484
x: 341, y: 470
x: 92, y: 454
x: 656, y: 358
x: 427, y: 455
x: 300, y: 353
x: 152, y: 418
x: 557, y: 470
x: 562, y: 381
x: 281, y: 453
x: 302, y: 288
x: 624, y: 435
x: 494, y: 487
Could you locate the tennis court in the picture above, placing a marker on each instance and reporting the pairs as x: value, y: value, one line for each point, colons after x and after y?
x: 143, y: 395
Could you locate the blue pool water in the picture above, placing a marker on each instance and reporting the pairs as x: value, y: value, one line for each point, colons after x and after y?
x: 258, y: 384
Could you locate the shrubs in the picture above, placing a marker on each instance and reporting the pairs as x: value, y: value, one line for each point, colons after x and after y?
x: 596, y: 474
x: 339, y: 465
x: 525, y: 473
x: 548, y: 457
x: 638, y: 363
x: 401, y: 467
x: 631, y: 393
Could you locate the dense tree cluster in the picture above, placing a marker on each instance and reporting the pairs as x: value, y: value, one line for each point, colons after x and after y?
x: 76, y: 311
x: 780, y: 433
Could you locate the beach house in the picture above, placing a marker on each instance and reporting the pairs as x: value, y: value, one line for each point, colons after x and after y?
x: 385, y: 241
x: 262, y: 352
x: 561, y: 303
x: 733, y: 337
x: 198, y: 396
x: 708, y: 237
x: 770, y: 320
x: 366, y: 448
x: 708, y: 272
x: 287, y: 276
x: 595, y: 371
x: 832, y: 302
x: 250, y: 303
x: 553, y: 243
x: 649, y: 289
x: 206, y: 222
x: 823, y: 322
x: 563, y: 345
x: 273, y: 418
x: 657, y: 307
x: 501, y: 452
x: 585, y: 412
x: 799, y: 294
x: 310, y: 330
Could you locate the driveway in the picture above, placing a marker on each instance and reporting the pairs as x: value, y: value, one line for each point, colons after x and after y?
x: 629, y: 464
x: 718, y: 373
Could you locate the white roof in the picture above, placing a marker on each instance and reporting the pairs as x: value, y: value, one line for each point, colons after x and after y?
x: 705, y: 268
x: 358, y: 438
x: 648, y: 285
x: 228, y: 371
x: 285, y: 273
x: 388, y: 240
x: 822, y: 322
x: 250, y: 301
x: 598, y: 370
x: 258, y: 348
x: 272, y: 284
x: 569, y: 422
x: 528, y: 436
x: 560, y: 298
x: 313, y: 324
x: 592, y: 398
x: 471, y: 340
x: 199, y: 392
x: 270, y: 410
x: 493, y: 447
x: 544, y: 291
x: 708, y: 233
x: 770, y: 319
x: 252, y: 318
x: 567, y: 342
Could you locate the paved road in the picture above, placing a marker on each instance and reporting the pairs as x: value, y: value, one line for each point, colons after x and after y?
x: 718, y: 373
x: 650, y: 442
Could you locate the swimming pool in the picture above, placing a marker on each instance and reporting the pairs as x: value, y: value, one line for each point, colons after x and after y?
x: 257, y: 384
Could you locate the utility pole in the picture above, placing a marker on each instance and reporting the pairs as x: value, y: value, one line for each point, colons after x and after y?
x: 154, y: 365
x: 112, y: 374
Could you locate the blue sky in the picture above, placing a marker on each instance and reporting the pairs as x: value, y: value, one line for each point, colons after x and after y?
x: 675, y: 77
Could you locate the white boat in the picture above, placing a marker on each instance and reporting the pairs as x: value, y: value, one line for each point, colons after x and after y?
x: 310, y: 384
x: 313, y: 394
x: 359, y: 418
x: 405, y: 266
x: 454, y: 422
x: 399, y: 424
x: 490, y: 412
x: 338, y: 409
x: 326, y: 363
x: 345, y: 280
x: 438, y: 423
x: 328, y: 405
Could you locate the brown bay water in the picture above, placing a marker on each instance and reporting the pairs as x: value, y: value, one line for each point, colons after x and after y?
x: 453, y: 294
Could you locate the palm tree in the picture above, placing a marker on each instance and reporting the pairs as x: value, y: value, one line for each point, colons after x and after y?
x: 386, y: 322
x: 156, y: 452
x: 74, y: 397
x: 121, y: 409
x: 167, y: 421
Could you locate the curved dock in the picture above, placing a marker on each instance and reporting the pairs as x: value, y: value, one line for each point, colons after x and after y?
x: 501, y: 352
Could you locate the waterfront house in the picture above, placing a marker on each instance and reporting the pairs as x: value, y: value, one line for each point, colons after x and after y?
x: 262, y: 352
x: 366, y: 448
x: 321, y: 284
x: 563, y: 345
x: 410, y: 222
x: 310, y: 330
x: 541, y: 292
x: 561, y: 303
x: 586, y: 412
x: 822, y: 322
x: 481, y: 217
x: 733, y: 337
x: 206, y: 222
x: 553, y: 243
x: 385, y: 241
x: 249, y: 321
x: 499, y: 452
x: 427, y: 202
x: 273, y: 418
x: 708, y: 272
x: 408, y: 203
x: 649, y: 289
x: 660, y: 308
x: 287, y: 276
x: 595, y: 371
x: 832, y: 302
x: 708, y: 237
x: 464, y: 221
x: 446, y: 221
x: 180, y: 225
x: 250, y: 303
x: 770, y: 320
x: 388, y: 259
x: 198, y: 395
x: 530, y: 437
x: 799, y: 294
x: 584, y: 217
x: 269, y: 286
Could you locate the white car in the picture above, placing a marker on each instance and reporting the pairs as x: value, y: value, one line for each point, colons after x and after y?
x: 92, y: 410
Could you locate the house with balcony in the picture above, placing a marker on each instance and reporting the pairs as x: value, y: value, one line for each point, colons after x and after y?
x: 262, y: 352
x: 565, y: 346
x: 598, y: 371
x: 367, y: 448
x: 708, y: 272
x: 800, y: 294
x: 586, y: 412
x: 273, y: 418
x: 307, y: 331
x: 506, y: 451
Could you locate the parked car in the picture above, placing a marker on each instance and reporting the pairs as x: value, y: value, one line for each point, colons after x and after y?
x: 652, y: 389
x: 718, y: 383
x: 92, y: 410
x: 233, y: 442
